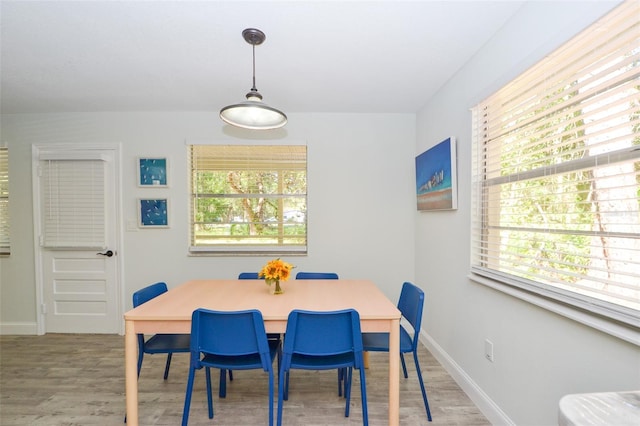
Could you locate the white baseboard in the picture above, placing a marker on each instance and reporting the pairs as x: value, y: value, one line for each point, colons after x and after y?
x: 490, y: 409
x: 18, y: 328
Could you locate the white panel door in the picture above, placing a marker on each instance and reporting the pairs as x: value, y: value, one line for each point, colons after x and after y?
x: 76, y: 223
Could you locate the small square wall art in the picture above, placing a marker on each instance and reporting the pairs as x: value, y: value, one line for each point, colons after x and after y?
x: 152, y: 172
x: 153, y: 213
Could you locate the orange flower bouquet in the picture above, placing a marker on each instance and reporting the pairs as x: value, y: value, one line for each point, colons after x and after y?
x: 275, y: 271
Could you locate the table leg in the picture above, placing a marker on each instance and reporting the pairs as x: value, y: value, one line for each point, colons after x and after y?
x: 394, y: 373
x: 365, y: 359
x: 131, y: 373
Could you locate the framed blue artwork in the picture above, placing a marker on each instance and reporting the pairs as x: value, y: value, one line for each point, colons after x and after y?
x: 153, y: 213
x: 436, y: 175
x: 152, y: 172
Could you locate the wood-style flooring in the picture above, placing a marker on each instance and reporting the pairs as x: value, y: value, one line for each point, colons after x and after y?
x: 69, y: 379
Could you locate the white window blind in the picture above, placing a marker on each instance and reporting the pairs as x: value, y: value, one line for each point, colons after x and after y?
x: 556, y: 173
x: 248, y: 198
x: 5, y: 248
x: 73, y: 203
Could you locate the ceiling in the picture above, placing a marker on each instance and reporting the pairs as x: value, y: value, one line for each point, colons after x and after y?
x: 319, y: 56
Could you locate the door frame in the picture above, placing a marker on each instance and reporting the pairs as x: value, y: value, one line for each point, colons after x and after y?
x: 116, y: 148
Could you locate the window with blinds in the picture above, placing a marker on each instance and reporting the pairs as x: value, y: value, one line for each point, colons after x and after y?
x: 73, y: 203
x: 248, y: 199
x: 556, y: 173
x: 5, y: 248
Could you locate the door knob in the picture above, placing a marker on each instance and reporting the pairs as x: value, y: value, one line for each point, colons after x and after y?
x: 107, y: 253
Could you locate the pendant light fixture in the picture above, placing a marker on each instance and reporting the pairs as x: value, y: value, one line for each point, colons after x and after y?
x: 253, y: 113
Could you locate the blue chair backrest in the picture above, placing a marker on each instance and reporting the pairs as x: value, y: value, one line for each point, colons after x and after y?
x: 323, y: 333
x: 411, y: 304
x: 229, y: 333
x: 248, y: 276
x: 144, y: 295
x: 316, y: 276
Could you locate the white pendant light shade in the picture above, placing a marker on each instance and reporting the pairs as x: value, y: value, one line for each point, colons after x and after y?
x: 253, y: 113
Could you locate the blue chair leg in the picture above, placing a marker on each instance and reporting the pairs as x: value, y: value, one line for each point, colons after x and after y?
x: 167, y: 366
x: 404, y: 366
x: 347, y: 391
x: 271, y: 398
x: 424, y: 392
x: 140, y: 356
x: 363, y: 392
x: 282, y: 378
x: 286, y: 387
x: 187, y: 398
x: 222, y: 388
x: 209, y: 398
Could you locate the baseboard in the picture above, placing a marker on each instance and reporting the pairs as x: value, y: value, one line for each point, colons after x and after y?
x: 490, y: 409
x: 18, y: 328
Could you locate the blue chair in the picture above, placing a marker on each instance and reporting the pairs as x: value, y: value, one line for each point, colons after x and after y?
x: 160, y: 343
x: 316, y: 276
x: 325, y: 276
x: 411, y: 304
x: 232, y: 340
x: 253, y: 276
x: 323, y: 341
x: 248, y: 276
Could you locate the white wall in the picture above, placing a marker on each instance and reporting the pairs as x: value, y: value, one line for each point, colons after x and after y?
x: 539, y: 356
x: 360, y: 204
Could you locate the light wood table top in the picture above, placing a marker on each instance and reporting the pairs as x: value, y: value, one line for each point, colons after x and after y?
x: 171, y: 313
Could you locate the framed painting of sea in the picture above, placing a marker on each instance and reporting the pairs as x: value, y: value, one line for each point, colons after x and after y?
x: 436, y: 185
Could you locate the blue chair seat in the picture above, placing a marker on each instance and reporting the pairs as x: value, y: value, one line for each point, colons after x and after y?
x: 239, y: 362
x: 325, y: 362
x: 379, y: 342
x: 163, y: 343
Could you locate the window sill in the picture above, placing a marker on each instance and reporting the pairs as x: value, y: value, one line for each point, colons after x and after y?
x: 623, y: 331
x: 248, y: 251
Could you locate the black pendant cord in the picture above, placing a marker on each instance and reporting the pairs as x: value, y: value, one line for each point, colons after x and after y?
x: 253, y: 88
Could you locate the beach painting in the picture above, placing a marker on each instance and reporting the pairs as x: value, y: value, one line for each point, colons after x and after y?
x: 436, y: 186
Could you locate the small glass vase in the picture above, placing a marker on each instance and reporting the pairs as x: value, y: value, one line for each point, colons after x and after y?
x: 275, y: 288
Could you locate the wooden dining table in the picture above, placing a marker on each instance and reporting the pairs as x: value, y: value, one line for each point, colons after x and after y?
x: 171, y: 313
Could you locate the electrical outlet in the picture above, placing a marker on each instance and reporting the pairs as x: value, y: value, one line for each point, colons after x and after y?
x: 488, y: 350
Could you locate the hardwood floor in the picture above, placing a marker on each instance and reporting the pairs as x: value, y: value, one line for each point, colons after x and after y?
x: 66, y: 379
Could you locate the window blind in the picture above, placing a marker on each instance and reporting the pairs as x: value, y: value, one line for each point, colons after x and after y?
x: 4, y: 201
x: 248, y: 198
x: 73, y: 204
x: 556, y: 173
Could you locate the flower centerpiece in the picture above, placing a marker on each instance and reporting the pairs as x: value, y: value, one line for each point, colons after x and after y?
x: 274, y: 271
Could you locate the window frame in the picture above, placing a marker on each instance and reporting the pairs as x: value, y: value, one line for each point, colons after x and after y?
x: 614, y: 319
x: 5, y: 235
x: 229, y: 161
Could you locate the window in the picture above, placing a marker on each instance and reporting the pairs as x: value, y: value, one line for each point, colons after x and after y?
x: 248, y: 199
x: 556, y: 174
x: 73, y: 201
x: 5, y: 248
